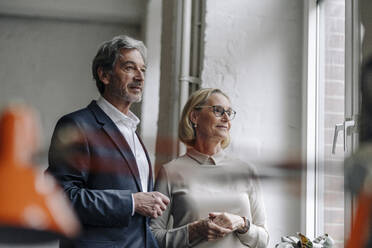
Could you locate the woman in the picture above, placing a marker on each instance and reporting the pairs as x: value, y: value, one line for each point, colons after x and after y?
x: 215, y: 199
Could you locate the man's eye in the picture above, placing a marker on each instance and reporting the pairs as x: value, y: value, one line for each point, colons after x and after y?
x: 129, y: 68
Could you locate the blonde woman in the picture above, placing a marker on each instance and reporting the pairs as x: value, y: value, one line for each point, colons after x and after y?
x: 215, y: 200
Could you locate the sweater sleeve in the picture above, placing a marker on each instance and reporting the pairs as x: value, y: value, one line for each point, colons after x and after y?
x: 166, y: 235
x: 257, y: 236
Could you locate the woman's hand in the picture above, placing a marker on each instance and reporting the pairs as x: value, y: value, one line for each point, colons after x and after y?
x: 227, y: 220
x: 207, y: 230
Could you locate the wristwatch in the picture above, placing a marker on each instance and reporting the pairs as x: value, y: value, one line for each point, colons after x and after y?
x: 245, y: 228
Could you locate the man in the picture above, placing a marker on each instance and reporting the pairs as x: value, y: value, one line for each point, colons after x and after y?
x: 100, y: 161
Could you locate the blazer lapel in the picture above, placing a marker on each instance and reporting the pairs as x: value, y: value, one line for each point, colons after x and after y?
x: 114, y: 133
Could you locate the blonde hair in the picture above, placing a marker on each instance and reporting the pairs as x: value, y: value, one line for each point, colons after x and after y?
x: 186, y: 131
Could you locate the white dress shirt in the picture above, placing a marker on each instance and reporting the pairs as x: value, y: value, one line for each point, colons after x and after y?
x: 127, y: 124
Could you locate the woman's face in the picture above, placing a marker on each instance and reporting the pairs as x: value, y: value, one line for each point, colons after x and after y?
x: 209, y: 126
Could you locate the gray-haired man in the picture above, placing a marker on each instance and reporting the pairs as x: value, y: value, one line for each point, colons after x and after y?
x: 99, y: 159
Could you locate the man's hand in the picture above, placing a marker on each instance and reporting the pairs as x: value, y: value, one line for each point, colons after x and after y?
x: 150, y: 204
x: 227, y: 220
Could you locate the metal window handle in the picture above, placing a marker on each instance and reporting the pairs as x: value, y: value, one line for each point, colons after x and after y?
x: 347, y: 124
x: 338, y: 128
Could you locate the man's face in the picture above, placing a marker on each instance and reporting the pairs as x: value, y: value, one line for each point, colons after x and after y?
x: 125, y: 82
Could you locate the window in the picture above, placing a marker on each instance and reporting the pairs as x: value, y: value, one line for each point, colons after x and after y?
x: 331, y: 111
x: 331, y: 106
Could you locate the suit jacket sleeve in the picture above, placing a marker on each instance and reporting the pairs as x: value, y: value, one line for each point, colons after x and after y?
x: 70, y: 161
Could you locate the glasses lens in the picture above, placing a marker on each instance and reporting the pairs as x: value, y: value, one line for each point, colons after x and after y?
x: 218, y: 110
x: 229, y: 112
x: 232, y: 115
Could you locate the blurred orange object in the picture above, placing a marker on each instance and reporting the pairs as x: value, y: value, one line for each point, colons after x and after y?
x: 360, y: 230
x: 28, y: 198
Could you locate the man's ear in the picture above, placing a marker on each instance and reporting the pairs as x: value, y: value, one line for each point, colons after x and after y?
x: 104, y: 76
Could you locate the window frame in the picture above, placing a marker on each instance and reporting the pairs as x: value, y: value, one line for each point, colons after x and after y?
x: 312, y: 184
x: 309, y: 117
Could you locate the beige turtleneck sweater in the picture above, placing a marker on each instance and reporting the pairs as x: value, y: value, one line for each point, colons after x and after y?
x: 198, y: 184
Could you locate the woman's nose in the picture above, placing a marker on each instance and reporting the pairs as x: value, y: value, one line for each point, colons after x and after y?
x: 225, y: 117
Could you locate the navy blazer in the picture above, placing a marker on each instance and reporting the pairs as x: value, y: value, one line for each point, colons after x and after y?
x: 94, y: 164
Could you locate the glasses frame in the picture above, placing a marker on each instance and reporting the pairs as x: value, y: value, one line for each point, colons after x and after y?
x: 216, y: 113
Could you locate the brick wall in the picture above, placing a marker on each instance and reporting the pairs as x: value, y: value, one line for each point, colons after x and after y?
x: 333, y: 83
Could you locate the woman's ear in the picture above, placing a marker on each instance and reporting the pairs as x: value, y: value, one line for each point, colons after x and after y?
x: 193, y: 116
x: 104, y: 76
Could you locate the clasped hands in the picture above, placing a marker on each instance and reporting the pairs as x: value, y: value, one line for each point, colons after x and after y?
x: 216, y: 226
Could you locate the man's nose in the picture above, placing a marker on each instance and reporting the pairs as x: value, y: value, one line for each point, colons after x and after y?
x: 140, y: 75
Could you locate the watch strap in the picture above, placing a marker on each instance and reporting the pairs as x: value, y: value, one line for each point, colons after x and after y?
x: 245, y: 228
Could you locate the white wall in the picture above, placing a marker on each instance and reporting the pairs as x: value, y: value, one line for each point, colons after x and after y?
x: 150, y: 103
x: 253, y: 52
x: 47, y: 64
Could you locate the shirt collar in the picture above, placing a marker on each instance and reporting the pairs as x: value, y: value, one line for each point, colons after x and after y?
x: 130, y: 120
x: 205, y: 159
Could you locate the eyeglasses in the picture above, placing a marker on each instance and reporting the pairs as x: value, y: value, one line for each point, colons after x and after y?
x: 219, y: 111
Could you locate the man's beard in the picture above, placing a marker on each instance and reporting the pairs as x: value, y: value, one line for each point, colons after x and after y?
x: 130, y: 97
x: 127, y: 96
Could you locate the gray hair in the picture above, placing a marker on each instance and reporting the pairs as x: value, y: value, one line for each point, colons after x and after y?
x: 108, y: 53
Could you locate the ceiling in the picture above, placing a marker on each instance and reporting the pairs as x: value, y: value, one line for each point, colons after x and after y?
x: 112, y: 11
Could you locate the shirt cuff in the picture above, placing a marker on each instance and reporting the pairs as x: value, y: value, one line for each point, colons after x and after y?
x: 133, y: 205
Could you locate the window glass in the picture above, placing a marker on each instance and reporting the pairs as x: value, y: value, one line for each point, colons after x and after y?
x: 331, y: 111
